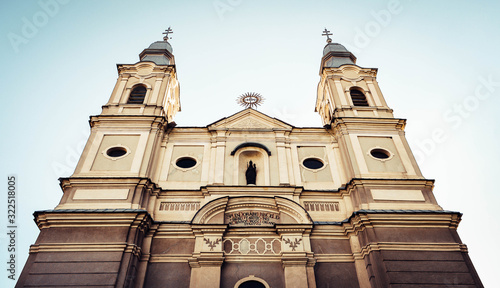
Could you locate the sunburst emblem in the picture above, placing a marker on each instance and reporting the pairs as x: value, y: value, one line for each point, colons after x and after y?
x: 250, y: 100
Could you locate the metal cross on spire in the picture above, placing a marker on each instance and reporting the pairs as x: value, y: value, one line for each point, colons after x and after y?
x: 168, y: 31
x: 327, y: 34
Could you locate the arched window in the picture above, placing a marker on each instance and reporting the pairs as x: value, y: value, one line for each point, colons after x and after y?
x: 137, y: 95
x: 358, y: 97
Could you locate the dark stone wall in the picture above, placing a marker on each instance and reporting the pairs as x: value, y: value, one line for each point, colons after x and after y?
x: 165, y: 275
x: 89, y: 235
x: 424, y: 235
x: 75, y: 269
x: 172, y: 246
x: 429, y: 269
x: 413, y: 268
x: 60, y: 266
x: 271, y: 272
x: 330, y: 246
x: 335, y: 274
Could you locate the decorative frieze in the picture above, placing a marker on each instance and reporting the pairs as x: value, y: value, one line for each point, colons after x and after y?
x: 248, y: 218
x: 179, y: 206
x: 321, y: 206
x: 252, y: 246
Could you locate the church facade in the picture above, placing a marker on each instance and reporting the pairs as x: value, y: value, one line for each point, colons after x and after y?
x: 249, y: 200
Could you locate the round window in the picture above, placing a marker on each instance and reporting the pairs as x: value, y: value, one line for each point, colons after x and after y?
x: 380, y: 153
x: 116, y: 152
x: 185, y: 162
x: 313, y: 163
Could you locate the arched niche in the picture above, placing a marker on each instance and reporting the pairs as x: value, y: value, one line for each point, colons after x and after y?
x: 252, y: 211
x: 259, y: 156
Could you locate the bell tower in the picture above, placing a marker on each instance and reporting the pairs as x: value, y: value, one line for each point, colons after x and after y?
x: 94, y: 235
x: 126, y: 137
x: 148, y: 87
x: 396, y: 218
x: 371, y: 141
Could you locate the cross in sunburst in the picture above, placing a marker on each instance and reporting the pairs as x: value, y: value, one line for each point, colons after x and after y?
x: 250, y: 100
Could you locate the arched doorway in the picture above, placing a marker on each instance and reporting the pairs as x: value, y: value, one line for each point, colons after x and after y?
x: 251, y: 284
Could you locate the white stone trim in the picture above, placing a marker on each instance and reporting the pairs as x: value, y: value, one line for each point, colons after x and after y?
x: 403, y: 154
x: 358, y: 153
x: 139, y: 153
x: 101, y: 194
x: 374, y: 93
x: 342, y: 95
x: 399, y: 195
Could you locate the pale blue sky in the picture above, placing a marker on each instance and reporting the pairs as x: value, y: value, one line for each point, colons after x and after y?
x: 431, y: 55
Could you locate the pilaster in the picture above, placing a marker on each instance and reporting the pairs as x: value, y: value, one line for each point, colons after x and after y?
x: 208, y: 257
x: 296, y: 256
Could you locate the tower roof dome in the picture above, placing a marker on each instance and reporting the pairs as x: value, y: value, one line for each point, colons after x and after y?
x: 159, y: 52
x: 336, y: 55
x: 162, y: 45
x: 334, y: 47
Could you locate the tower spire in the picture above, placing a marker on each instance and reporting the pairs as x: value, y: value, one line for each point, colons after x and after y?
x: 159, y: 52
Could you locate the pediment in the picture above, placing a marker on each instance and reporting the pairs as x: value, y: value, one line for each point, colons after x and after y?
x: 249, y: 119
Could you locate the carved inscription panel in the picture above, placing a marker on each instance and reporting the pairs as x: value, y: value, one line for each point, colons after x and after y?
x: 251, y: 218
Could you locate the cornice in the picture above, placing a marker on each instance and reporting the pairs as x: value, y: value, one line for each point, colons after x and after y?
x: 136, y: 121
x: 93, y: 218
x: 346, y: 124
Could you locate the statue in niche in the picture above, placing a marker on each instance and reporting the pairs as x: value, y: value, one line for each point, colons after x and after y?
x: 251, y: 173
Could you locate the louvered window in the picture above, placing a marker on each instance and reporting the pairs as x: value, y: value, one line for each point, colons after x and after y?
x: 137, y: 95
x: 358, y: 98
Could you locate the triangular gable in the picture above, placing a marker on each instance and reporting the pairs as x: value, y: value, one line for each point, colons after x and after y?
x: 249, y: 119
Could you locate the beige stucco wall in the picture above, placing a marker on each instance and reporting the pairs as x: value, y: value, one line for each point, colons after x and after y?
x: 392, y: 164
x: 105, y: 163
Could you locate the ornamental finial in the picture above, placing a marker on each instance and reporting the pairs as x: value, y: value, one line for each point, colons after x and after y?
x: 250, y: 100
x: 168, y: 31
x: 327, y: 34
